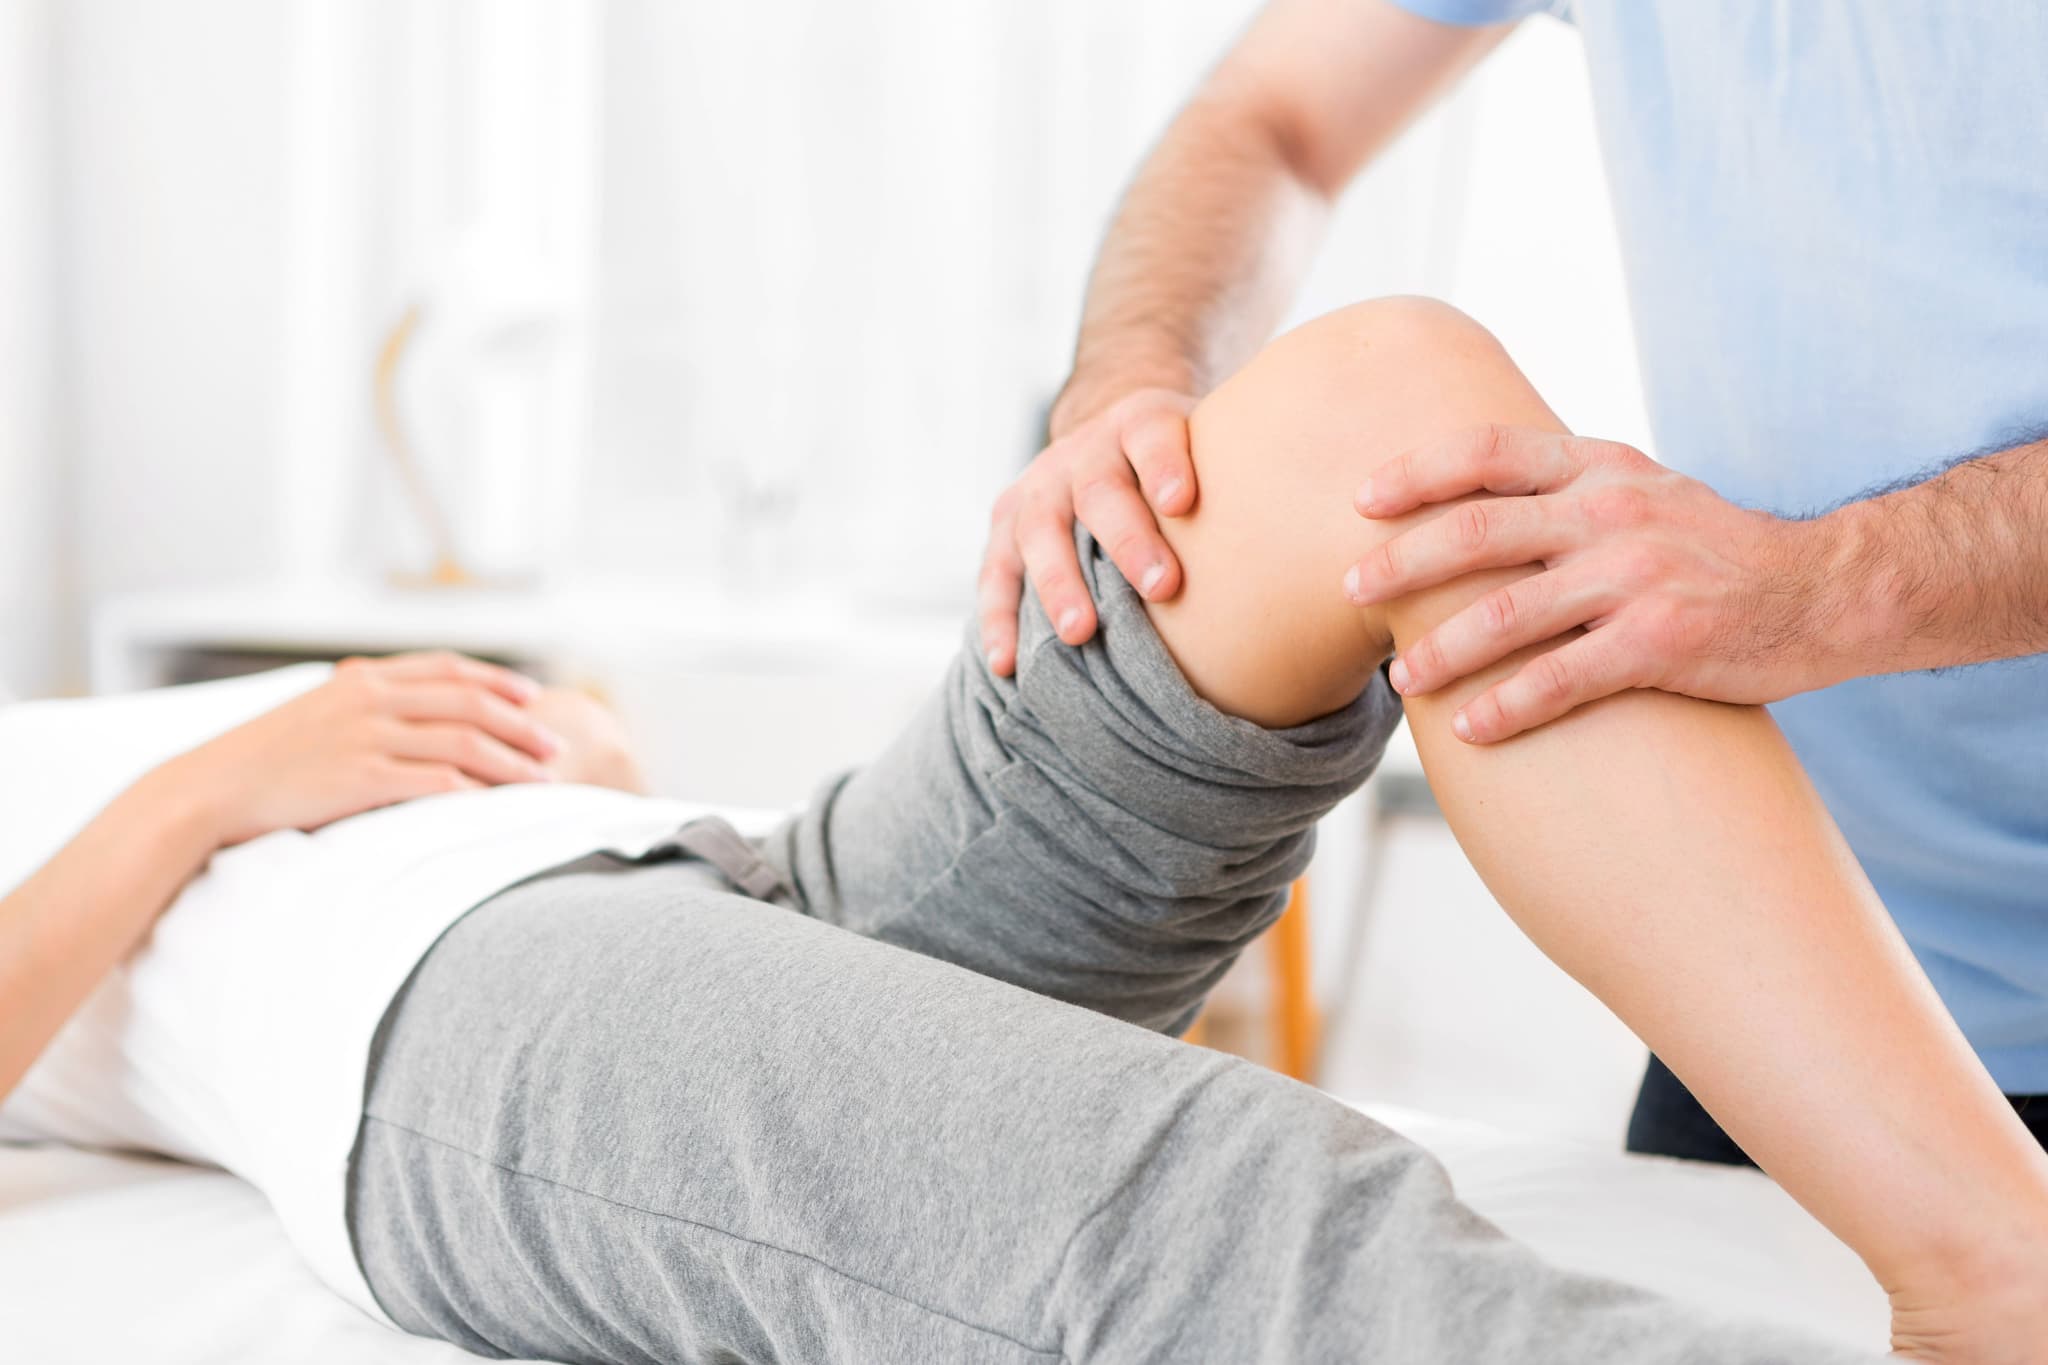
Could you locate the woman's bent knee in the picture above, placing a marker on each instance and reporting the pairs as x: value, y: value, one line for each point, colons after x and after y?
x: 1262, y: 628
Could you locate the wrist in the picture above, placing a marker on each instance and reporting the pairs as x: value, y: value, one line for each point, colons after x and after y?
x: 1858, y: 618
x: 1100, y: 379
x: 184, y: 805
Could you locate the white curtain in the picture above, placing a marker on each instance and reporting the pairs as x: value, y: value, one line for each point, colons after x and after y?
x: 34, y: 568
x: 843, y: 247
x: 777, y: 293
x: 444, y: 172
x: 842, y: 255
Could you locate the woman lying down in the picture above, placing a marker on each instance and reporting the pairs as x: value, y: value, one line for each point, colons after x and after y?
x: 527, y: 1065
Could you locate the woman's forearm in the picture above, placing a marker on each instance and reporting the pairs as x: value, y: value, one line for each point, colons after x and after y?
x: 378, y: 731
x: 67, y: 926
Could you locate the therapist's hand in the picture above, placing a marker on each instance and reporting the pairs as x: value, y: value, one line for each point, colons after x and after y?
x: 378, y: 732
x: 1676, y: 588
x: 1117, y: 471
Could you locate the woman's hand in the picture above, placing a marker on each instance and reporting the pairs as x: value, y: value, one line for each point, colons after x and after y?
x: 595, y: 749
x: 378, y: 732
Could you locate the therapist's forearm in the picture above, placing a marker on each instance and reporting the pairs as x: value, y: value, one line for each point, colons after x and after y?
x: 1219, y: 223
x: 67, y: 926
x: 1199, y: 264
x: 1949, y: 571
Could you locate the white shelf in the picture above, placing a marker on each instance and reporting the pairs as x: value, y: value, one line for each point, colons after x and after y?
x: 750, y: 701
x: 136, y: 637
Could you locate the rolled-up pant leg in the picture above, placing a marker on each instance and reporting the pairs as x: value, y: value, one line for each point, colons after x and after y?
x: 1091, y: 829
x: 630, y: 1116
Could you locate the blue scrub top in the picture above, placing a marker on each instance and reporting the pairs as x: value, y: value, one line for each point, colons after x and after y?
x: 1834, y: 215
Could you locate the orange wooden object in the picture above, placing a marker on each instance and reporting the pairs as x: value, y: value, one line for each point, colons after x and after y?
x: 1296, y: 1024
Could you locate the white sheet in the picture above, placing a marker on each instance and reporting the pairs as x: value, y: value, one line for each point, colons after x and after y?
x: 111, y: 1259
x: 311, y: 933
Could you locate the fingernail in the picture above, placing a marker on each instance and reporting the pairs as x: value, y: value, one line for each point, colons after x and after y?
x: 527, y: 688
x: 550, y: 741
x: 1461, y: 727
x: 1151, y: 579
x: 1364, y: 498
x: 1069, y: 622
x: 1398, y: 676
x: 1169, y: 490
x: 1351, y: 584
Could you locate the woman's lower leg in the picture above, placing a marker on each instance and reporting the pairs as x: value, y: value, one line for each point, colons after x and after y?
x: 1669, y: 853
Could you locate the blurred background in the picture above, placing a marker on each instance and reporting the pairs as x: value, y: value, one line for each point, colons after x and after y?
x: 696, y: 339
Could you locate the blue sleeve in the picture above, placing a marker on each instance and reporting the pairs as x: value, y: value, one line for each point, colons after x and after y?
x: 1472, y: 13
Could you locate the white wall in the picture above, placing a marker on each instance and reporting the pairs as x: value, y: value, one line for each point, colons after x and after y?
x: 225, y: 230
x: 171, y: 153
x: 33, y: 619
x: 843, y: 254
x: 140, y: 148
x: 783, y: 296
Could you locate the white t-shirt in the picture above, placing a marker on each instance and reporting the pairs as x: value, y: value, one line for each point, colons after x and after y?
x: 239, y: 1033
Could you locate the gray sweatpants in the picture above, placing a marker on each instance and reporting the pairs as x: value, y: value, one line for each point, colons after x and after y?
x: 892, y: 1086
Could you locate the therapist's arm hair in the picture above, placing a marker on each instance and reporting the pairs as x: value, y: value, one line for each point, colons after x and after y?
x: 378, y: 732
x: 1199, y: 265
x: 1951, y: 569
x: 1669, y: 853
x: 1218, y: 225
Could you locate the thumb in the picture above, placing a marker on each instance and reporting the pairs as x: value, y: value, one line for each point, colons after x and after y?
x: 1158, y: 448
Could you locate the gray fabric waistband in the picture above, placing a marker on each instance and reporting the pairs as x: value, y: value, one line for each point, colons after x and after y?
x: 712, y: 840
x: 709, y: 840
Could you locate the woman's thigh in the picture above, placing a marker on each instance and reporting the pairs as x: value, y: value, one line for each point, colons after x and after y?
x: 630, y: 1115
